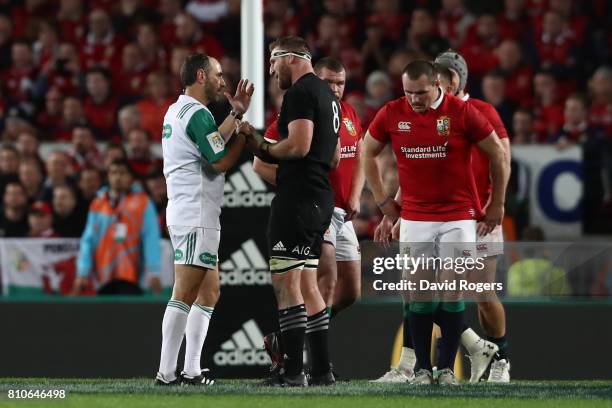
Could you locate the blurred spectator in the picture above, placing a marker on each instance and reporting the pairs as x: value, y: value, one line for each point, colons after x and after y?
x: 548, y: 106
x: 522, y: 127
x: 494, y: 92
x: 156, y: 186
x: 576, y: 23
x: 327, y: 40
x: 6, y: 33
x: 62, y: 72
x: 129, y: 80
x: 71, y: 19
x: 154, y: 106
x: 9, y: 165
x: 15, y: 122
x: 575, y: 126
x: 518, y: 74
x: 378, y: 92
x: 514, y: 22
x: 51, y: 117
x: 178, y: 56
x: 168, y: 11
x: 101, y: 47
x: 453, y: 21
x: 84, y: 151
x: 479, y: 45
x: 391, y: 16
x: 421, y: 35
x: 58, y: 173
x: 153, y: 54
x: 27, y: 145
x: 40, y: 220
x: 556, y: 48
x: 377, y: 47
x: 73, y: 115
x: 127, y: 15
x: 19, y: 79
x: 32, y: 178
x: 189, y: 34
x: 128, y: 118
x: 126, y: 248
x: 140, y: 157
x: 69, y: 216
x: 114, y: 151
x: 14, y: 214
x: 46, y: 45
x: 100, y: 105
x: 600, y: 87
x: 90, y: 181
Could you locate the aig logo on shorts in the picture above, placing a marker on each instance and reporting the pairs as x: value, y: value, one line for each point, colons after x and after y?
x: 245, y: 189
x: 245, y: 266
x: 301, y: 250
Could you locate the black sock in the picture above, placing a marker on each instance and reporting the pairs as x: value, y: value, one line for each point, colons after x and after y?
x: 317, y: 328
x: 451, y: 326
x: 406, y: 331
x: 502, y: 343
x: 292, y: 322
x: 420, y: 328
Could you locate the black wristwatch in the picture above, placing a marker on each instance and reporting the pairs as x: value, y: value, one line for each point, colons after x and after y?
x: 236, y: 114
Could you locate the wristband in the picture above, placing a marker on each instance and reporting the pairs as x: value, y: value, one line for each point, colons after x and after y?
x: 236, y: 114
x: 384, y: 202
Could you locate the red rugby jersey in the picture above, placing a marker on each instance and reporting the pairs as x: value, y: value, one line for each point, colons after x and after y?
x: 341, y: 178
x: 480, y: 161
x: 433, y: 152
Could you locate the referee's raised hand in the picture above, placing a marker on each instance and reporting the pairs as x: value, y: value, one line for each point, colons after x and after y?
x: 242, y: 98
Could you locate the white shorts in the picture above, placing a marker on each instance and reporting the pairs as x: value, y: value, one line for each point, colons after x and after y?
x: 341, y: 235
x: 195, y: 246
x: 491, y: 244
x: 418, y: 236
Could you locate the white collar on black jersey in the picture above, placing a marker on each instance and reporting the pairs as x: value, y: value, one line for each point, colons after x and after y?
x: 465, y: 97
x: 438, y: 101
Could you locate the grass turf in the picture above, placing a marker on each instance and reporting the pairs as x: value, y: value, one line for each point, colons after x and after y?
x: 132, y: 393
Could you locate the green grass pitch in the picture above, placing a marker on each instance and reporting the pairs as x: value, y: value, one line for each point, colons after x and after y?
x: 132, y: 393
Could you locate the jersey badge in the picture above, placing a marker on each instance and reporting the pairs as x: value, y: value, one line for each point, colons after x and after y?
x: 349, y: 126
x: 166, y: 131
x: 216, y: 142
x: 443, y: 125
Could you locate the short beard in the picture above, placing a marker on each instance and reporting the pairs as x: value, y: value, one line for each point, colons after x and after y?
x: 210, y: 92
x: 284, y: 81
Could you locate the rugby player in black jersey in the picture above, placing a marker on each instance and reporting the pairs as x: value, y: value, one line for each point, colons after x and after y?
x: 308, y: 124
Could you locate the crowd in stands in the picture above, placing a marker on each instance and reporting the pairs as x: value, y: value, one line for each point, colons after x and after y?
x: 100, y: 74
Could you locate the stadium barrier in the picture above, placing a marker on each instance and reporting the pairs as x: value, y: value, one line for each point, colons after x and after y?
x: 121, y: 337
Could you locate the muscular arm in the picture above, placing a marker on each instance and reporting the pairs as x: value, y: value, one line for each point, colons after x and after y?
x: 266, y: 171
x: 499, y: 164
x: 297, y: 144
x: 371, y: 150
x: 358, y: 177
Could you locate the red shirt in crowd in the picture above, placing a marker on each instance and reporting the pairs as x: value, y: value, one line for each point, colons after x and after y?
x: 433, y: 152
x: 480, y: 161
x: 102, y: 116
x: 600, y: 115
x: 341, y: 178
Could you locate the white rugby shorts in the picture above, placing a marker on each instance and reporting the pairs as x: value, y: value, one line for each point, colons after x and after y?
x: 341, y: 234
x: 195, y: 246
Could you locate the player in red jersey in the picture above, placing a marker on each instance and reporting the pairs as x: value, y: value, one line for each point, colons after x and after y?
x: 490, y: 311
x: 339, y: 269
x: 432, y: 135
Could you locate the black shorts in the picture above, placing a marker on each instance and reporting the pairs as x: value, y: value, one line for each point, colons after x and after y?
x: 295, y: 231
